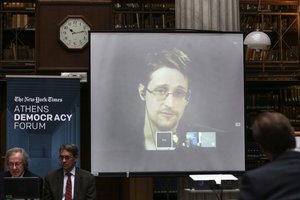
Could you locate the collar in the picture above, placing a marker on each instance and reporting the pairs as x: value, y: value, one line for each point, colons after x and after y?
x: 72, y: 171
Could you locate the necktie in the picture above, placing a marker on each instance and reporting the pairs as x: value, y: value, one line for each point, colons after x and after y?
x: 68, y: 195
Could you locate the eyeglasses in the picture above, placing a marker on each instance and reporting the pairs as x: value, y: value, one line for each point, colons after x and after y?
x: 65, y: 158
x: 162, y: 93
x: 14, y: 164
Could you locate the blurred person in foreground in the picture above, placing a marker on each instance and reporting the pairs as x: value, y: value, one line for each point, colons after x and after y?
x: 278, y: 179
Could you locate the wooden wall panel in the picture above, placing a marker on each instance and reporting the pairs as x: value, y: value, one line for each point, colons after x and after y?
x: 141, y: 188
x: 51, y: 55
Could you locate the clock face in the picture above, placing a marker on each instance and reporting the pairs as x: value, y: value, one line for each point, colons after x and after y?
x: 74, y: 33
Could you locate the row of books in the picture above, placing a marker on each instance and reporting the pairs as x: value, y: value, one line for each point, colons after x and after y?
x: 269, y: 22
x: 18, y: 5
x: 269, y: 101
x: 124, y: 21
x: 160, y: 6
x: 144, y: 20
x: 293, y: 114
x: 292, y: 94
x: 264, y: 99
x: 160, y: 21
x: 12, y: 20
x: 253, y: 55
x: 126, y: 6
x: 268, y: 7
x: 144, y: 6
x: 18, y: 52
x: 254, y: 157
x: 290, y: 54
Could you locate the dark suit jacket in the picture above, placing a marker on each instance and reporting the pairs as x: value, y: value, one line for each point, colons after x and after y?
x: 279, y: 179
x: 27, y: 173
x: 84, y: 186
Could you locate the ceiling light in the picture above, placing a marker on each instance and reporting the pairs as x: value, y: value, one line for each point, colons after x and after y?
x: 257, y: 40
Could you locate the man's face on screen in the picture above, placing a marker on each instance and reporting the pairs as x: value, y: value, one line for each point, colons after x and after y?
x: 166, y: 98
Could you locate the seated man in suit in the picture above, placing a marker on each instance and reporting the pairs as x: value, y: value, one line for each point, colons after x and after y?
x: 69, y: 182
x: 278, y: 179
x: 16, y: 160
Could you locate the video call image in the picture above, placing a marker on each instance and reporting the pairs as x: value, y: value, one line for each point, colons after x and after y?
x: 171, y: 97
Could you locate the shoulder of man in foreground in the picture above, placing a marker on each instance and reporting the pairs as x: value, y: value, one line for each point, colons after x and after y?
x: 290, y: 157
x: 271, y: 177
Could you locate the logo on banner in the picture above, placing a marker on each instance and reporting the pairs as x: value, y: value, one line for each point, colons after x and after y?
x: 32, y: 115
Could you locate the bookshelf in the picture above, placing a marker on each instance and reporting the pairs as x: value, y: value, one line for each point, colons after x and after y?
x: 143, y: 14
x: 272, y: 76
x: 269, y: 95
x: 280, y: 20
x: 17, y: 34
x: 279, y: 96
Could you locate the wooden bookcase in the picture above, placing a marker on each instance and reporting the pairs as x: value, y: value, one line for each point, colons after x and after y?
x: 280, y: 20
x: 269, y: 95
x: 272, y: 76
x: 17, y: 34
x: 279, y: 96
x: 143, y: 14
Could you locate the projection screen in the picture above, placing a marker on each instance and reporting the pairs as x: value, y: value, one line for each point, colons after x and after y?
x: 167, y: 102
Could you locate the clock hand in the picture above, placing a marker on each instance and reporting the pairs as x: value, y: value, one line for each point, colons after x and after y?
x: 74, y: 32
x: 77, y: 32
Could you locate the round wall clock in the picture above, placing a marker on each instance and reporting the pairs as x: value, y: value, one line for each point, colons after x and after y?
x: 74, y: 32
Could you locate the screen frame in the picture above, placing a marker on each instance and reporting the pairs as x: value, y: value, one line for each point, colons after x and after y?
x: 169, y: 173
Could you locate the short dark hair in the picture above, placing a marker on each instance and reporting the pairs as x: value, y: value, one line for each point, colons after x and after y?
x: 72, y: 148
x: 273, y: 131
x: 171, y: 58
x: 25, y: 156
